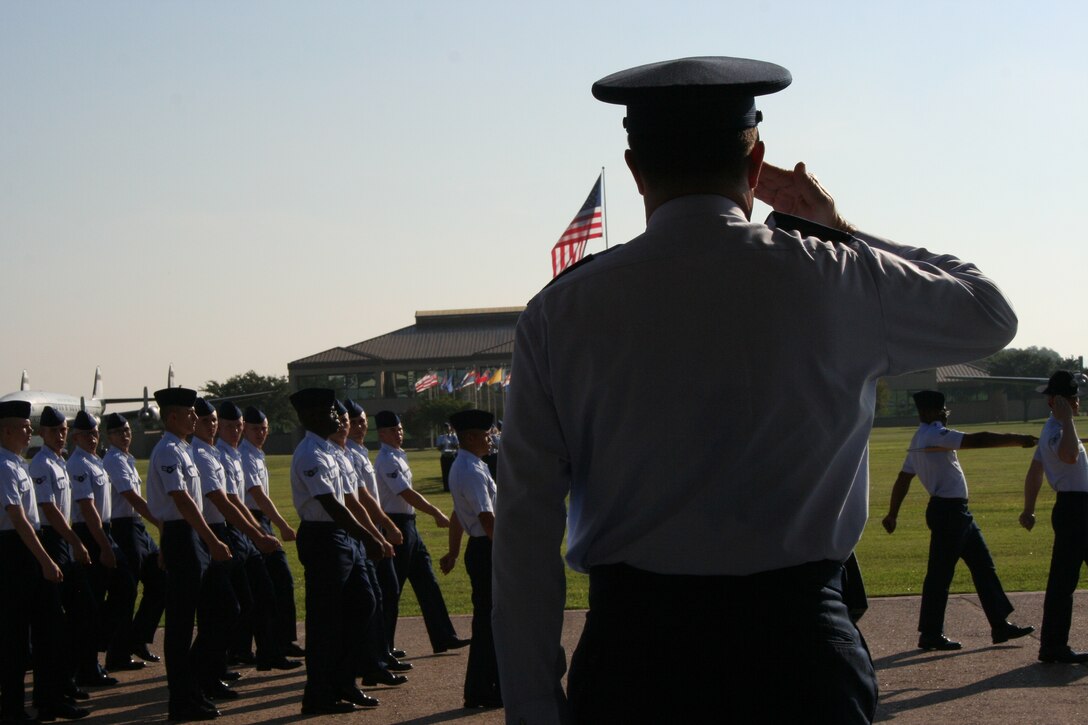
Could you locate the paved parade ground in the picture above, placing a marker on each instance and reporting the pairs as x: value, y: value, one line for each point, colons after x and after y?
x: 982, y: 683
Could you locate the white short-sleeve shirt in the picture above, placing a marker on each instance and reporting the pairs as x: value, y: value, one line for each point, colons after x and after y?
x: 394, y: 477
x: 171, y: 468
x: 51, y: 484
x: 16, y: 489
x: 124, y: 477
x: 364, y: 469
x: 1061, y: 476
x: 232, y: 466
x: 939, y: 471
x: 473, y: 491
x: 89, y: 481
x: 212, y: 477
x: 314, y: 472
x: 255, y: 471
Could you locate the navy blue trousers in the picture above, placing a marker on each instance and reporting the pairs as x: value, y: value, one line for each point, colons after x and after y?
x: 284, y: 630
x: 413, y: 565
x: 1070, y: 521
x: 757, y: 632
x: 143, y: 560
x: 482, y: 672
x: 954, y: 535
x: 114, y: 593
x: 187, y: 563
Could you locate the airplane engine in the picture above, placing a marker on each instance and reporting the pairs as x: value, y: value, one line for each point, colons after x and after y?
x: 149, y: 416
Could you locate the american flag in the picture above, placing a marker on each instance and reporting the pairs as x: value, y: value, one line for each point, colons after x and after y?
x: 429, y: 380
x: 588, y: 224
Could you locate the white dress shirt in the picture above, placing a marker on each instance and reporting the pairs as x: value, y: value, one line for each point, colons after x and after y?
x: 939, y: 471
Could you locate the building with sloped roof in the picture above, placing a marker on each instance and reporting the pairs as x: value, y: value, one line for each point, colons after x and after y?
x: 456, y: 347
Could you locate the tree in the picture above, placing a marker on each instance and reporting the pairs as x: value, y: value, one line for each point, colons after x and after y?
x: 422, y: 420
x: 1029, y: 362
x: 273, y: 398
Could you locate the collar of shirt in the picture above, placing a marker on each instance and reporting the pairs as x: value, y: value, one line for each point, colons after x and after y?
x: 78, y: 454
x: 358, y: 447
x: 693, y: 205
x: 398, y: 452
x: 8, y: 455
x: 252, y: 450
x: 115, y: 451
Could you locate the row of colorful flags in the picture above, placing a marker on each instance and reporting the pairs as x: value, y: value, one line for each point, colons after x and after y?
x: 498, y: 376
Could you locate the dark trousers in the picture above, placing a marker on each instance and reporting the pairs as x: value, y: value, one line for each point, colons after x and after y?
x: 372, y: 657
x: 413, y: 564
x: 77, y: 602
x: 217, y: 617
x: 30, y: 610
x: 143, y: 561
x: 284, y: 629
x: 1070, y: 521
x: 338, y: 604
x: 256, y: 600
x: 954, y: 535
x: 446, y: 462
x: 784, y: 626
x: 389, y: 588
x: 114, y: 592
x: 187, y: 562
x: 482, y: 673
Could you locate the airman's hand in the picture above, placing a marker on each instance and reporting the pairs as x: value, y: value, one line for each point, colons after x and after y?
x: 288, y: 534
x: 798, y: 193
x: 889, y: 523
x: 447, y: 562
x: 219, y: 551
x: 52, y: 573
x: 441, y: 521
x: 107, y: 558
x: 268, y: 544
x: 1027, y: 520
x: 81, y: 555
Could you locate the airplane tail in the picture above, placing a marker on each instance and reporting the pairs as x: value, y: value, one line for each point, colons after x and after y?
x: 24, y: 384
x: 96, y: 391
x: 170, y: 376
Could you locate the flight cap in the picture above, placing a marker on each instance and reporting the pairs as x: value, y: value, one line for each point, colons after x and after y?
x: 115, y: 421
x: 85, y: 421
x: 386, y: 419
x: 229, y: 411
x: 354, y: 409
x: 1061, y: 383
x: 254, y: 415
x: 51, y: 417
x: 203, y: 407
x: 928, y: 400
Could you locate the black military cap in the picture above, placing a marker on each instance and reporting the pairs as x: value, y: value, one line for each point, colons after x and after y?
x: 471, y: 420
x: 354, y: 409
x: 85, y: 421
x: 1061, y: 383
x: 310, y: 398
x: 15, y: 409
x: 711, y: 93
x: 51, y: 417
x: 183, y: 397
x: 203, y: 407
x: 254, y: 415
x: 386, y: 419
x: 115, y: 421
x: 929, y: 400
x: 229, y: 411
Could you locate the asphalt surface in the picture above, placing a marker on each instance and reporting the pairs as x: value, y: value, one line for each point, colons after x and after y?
x: 982, y: 683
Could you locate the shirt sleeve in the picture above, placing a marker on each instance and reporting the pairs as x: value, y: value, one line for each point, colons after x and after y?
x: 528, y: 575
x: 170, y: 471
x: 908, y: 466
x: 121, y: 476
x: 42, y: 476
x: 10, y: 485
x: 391, y: 475
x: 936, y: 309
x: 81, y: 480
x: 251, y: 472
x: 210, y: 482
x: 318, y: 476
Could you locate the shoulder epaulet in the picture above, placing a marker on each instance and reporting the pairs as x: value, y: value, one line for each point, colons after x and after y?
x: 581, y: 262
x: 807, y: 227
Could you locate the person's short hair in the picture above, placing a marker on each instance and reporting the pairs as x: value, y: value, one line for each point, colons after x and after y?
x: 687, y: 154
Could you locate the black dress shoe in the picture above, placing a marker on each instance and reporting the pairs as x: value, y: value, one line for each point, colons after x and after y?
x: 327, y: 708
x: 243, y: 658
x: 356, y: 696
x: 48, y: 713
x: 394, y: 665
x: 218, y: 690
x: 23, y: 718
x: 455, y: 643
x: 145, y: 654
x: 938, y: 641
x: 293, y: 650
x: 97, y: 679
x: 384, y: 678
x: 398, y: 653
x: 1008, y: 630
x: 74, y: 692
x: 230, y: 676
x: 279, y: 663
x: 483, y: 702
x: 1064, y: 655
x: 192, y: 712
x: 125, y: 664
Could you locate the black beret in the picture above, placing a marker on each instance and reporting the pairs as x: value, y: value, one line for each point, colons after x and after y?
x: 183, y: 397
x: 310, y: 398
x: 386, y: 419
x: 254, y: 415
x: 341, y: 409
x: 115, y: 421
x: 15, y: 409
x: 471, y: 420
x: 85, y: 421
x: 1061, y: 383
x: 229, y: 411
x: 51, y: 417
x: 929, y: 400
x: 203, y: 407
x: 354, y: 409
x: 712, y: 93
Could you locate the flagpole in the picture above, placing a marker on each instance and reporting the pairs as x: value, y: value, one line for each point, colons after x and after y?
x: 604, y: 211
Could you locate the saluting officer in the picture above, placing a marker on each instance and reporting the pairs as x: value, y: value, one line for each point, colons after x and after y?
x: 412, y: 561
x: 473, y: 490
x: 140, y: 550
x: 174, y: 497
x: 111, y: 580
x: 260, y: 505
x: 31, y: 603
x: 338, y: 601
x: 53, y: 491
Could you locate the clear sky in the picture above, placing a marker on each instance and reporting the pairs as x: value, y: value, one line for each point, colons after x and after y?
x: 228, y: 186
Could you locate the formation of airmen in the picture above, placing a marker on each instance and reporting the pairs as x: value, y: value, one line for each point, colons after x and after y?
x: 74, y: 542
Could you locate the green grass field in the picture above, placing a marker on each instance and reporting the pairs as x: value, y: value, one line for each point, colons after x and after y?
x: 892, y: 564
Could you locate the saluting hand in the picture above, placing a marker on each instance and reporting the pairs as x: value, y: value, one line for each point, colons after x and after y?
x: 1063, y: 411
x: 798, y: 193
